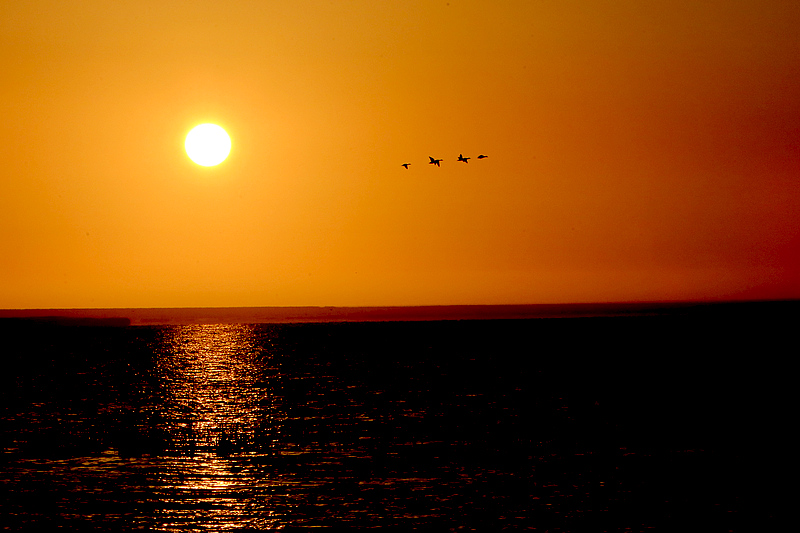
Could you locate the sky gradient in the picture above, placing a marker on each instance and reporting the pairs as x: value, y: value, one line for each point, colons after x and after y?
x: 638, y: 151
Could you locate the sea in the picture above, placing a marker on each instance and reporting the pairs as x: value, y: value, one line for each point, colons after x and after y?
x: 646, y: 421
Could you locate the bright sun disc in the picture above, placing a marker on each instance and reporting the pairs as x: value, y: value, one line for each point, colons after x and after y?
x: 208, y: 145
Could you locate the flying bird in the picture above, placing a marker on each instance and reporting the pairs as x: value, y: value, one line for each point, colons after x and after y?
x: 482, y: 156
x: 464, y: 159
x: 435, y: 161
x: 405, y: 165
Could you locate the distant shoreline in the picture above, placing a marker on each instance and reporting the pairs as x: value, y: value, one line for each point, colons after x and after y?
x: 309, y: 314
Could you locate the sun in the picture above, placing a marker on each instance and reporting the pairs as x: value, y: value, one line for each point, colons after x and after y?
x: 208, y: 145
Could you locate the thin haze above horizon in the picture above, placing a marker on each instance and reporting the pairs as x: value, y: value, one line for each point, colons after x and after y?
x: 638, y: 151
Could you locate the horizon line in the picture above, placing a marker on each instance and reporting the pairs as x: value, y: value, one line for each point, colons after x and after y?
x: 377, y: 313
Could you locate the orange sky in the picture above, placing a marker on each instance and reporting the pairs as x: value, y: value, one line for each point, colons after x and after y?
x: 637, y: 151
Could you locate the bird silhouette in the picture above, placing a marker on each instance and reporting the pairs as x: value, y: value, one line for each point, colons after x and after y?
x: 435, y: 161
x: 482, y: 156
x: 405, y: 165
x: 464, y: 159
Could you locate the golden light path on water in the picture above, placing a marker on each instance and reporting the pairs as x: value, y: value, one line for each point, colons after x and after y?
x: 217, y: 402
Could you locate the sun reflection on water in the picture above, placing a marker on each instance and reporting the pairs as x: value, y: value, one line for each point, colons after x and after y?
x: 219, y: 411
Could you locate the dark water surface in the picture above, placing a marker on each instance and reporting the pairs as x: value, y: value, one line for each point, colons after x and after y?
x: 596, y: 424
